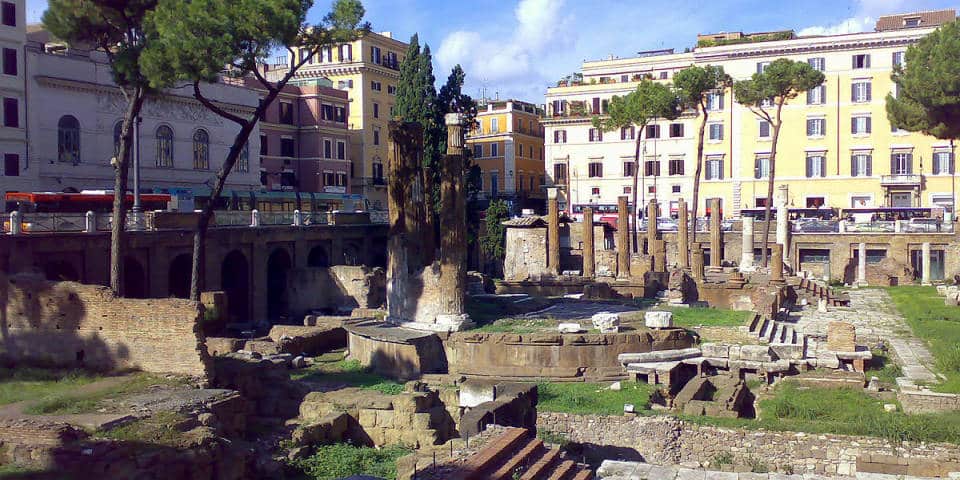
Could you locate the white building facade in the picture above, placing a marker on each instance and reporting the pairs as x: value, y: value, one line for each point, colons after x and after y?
x: 13, y: 131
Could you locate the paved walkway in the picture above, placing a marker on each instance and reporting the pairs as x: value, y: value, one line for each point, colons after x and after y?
x: 876, y: 318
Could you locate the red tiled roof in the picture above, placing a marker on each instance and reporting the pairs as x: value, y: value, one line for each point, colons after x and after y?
x: 927, y: 19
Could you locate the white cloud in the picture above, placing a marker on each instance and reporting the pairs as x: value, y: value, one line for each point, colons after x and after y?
x: 864, y: 19
x: 850, y: 25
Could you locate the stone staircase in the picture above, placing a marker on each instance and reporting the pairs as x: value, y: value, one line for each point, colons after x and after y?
x: 813, y: 291
x: 770, y: 330
x: 518, y: 454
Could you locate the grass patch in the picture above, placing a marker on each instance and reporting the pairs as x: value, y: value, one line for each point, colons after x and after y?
x: 884, y: 368
x: 18, y: 384
x: 937, y: 324
x: 592, y: 398
x: 333, y: 370
x: 342, y: 460
x: 162, y: 428
x: 517, y: 325
x: 710, y: 317
x: 64, y: 402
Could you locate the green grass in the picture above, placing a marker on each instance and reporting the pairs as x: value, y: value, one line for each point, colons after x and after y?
x: 884, y: 368
x: 162, y: 428
x: 18, y: 384
x: 591, y: 398
x: 67, y: 402
x: 709, y: 317
x: 517, y: 325
x: 332, y: 369
x: 342, y: 460
x: 937, y: 324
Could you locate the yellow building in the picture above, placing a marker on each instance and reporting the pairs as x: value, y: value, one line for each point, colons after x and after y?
x: 368, y: 69
x: 836, y: 148
x: 508, y: 147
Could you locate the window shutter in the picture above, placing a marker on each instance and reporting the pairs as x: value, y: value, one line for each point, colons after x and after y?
x: 869, y: 86
x: 810, y: 128
x: 823, y: 93
x: 951, y: 163
x: 809, y: 167
x: 721, y: 101
x: 869, y: 124
x: 853, y: 92
x: 853, y: 166
x: 756, y: 168
x: 854, y: 63
x: 823, y: 166
x: 909, y: 163
x: 866, y: 61
x: 719, y: 132
x: 853, y: 125
x: 869, y: 165
x: 759, y: 67
x: 936, y: 165
x: 810, y: 97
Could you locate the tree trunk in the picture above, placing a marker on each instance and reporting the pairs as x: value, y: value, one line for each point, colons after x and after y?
x: 121, y: 173
x: 632, y: 220
x: 696, y: 181
x: 770, y: 179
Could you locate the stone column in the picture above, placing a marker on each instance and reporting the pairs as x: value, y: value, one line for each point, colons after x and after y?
x: 696, y: 262
x: 746, y: 246
x: 925, y: 254
x: 683, y: 235
x: 589, y: 261
x: 405, y: 220
x: 862, y: 264
x: 651, y: 225
x: 781, y: 199
x: 453, y: 227
x: 776, y: 264
x: 623, y: 237
x: 553, y: 232
x: 716, y: 236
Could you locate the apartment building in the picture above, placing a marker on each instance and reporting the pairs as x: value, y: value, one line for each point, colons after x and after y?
x: 13, y: 132
x: 508, y: 146
x: 368, y: 69
x: 837, y: 147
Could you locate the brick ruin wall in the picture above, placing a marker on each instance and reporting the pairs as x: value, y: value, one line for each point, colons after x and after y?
x: 671, y: 441
x: 66, y: 324
x: 334, y: 288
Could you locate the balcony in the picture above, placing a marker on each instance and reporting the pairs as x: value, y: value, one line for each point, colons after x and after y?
x: 901, y: 180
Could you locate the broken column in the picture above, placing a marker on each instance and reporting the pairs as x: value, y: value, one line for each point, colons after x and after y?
x: 696, y: 262
x: 776, y: 264
x: 683, y: 232
x: 716, y: 245
x: 553, y: 232
x: 862, y: 264
x: 746, y: 246
x: 925, y: 258
x: 783, y: 219
x: 453, y: 229
x: 623, y: 237
x: 651, y: 225
x: 589, y: 261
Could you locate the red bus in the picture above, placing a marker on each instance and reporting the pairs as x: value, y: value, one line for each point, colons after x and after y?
x: 100, y: 201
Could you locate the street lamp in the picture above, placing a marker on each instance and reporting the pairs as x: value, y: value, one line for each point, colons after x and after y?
x: 953, y: 185
x: 137, y: 210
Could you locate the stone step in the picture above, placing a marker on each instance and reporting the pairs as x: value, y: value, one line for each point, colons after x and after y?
x: 542, y: 466
x: 519, y: 460
x: 494, y: 452
x: 764, y: 325
x: 563, y: 470
x: 583, y: 474
x: 755, y: 322
x: 658, y: 356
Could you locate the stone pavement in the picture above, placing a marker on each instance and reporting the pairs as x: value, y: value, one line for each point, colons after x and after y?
x: 617, y: 470
x: 876, y: 318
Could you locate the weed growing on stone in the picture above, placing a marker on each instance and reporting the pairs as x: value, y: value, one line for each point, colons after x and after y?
x: 592, y: 398
x: 162, y: 428
x: 723, y: 458
x: 935, y: 323
x: 884, y: 368
x: 553, y: 438
x: 343, y: 460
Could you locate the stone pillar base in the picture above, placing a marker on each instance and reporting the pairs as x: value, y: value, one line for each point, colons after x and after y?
x: 443, y: 323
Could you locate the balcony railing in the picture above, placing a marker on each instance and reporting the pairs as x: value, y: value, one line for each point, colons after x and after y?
x: 901, y: 179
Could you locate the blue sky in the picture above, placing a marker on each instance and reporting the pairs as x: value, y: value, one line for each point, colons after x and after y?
x: 516, y: 48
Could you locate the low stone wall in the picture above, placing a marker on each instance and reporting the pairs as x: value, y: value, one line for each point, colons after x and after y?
x: 333, y: 289
x: 547, y: 355
x: 66, y: 324
x: 669, y: 441
x: 397, y: 353
x: 924, y: 401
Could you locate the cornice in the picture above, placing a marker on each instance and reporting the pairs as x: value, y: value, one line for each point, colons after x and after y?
x: 104, y: 89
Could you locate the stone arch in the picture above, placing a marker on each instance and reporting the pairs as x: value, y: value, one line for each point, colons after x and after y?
x: 134, y: 279
x: 351, y: 254
x: 235, y: 282
x: 278, y: 264
x: 379, y: 254
x: 318, y: 257
x: 61, y: 271
x: 178, y: 277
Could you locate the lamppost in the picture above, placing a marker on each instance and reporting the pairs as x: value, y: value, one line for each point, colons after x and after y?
x: 953, y: 185
x: 137, y: 210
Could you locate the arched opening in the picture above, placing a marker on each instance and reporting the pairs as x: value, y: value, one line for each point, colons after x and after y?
x: 277, y: 266
x: 234, y: 279
x: 68, y: 139
x: 318, y: 258
x: 61, y: 271
x: 178, y: 279
x: 351, y: 255
x: 379, y: 257
x: 134, y: 279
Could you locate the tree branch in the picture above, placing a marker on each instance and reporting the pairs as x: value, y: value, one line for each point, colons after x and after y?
x: 214, y: 108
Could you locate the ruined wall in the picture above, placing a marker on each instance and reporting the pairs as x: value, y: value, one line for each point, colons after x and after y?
x: 333, y: 289
x: 549, y: 355
x: 526, y: 253
x: 401, y: 358
x: 670, y: 441
x: 68, y: 324
x: 923, y: 401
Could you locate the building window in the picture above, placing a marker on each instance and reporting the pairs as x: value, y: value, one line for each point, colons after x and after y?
x: 494, y: 184
x: 532, y: 183
x: 627, y: 133
x: 595, y: 170
x: 286, y: 113
x: 327, y: 148
x: 817, y: 95
x: 762, y: 66
x: 861, y: 165
x: 376, y: 136
x: 494, y: 125
x: 9, y: 14
x: 341, y: 150
x: 675, y: 188
x: 559, y: 136
x: 243, y: 163
x: 664, y: 75
x: 164, y: 147
x: 817, y: 63
x: 814, y: 255
x: 861, y: 61
x: 377, y: 171
x: 478, y: 151
x: 346, y: 52
x: 376, y: 86
x: 11, y: 165
x: 651, y: 168
x: 345, y: 84
x: 942, y: 163
x: 816, y: 166
x: 716, y: 131
x: 761, y: 167
x: 11, y: 113
x: 861, y: 125
x: 653, y: 131
x: 595, y: 191
x: 816, y: 127
x: 861, y: 91
x: 376, y: 110
x: 911, y: 22
x: 304, y: 53
x: 287, y: 147
x: 117, y: 133
x: 627, y: 190
x: 901, y: 163
x: 628, y: 169
x: 264, y: 145
x: 596, y: 135
x: 764, y: 129
x: 897, y: 59
x: 676, y: 130
x: 391, y: 89
x: 375, y: 55
x: 494, y: 149
x: 9, y: 61
x: 675, y: 166
x: 714, y: 169
x: 715, y: 101
x: 201, y: 150
x: 519, y: 149
x: 559, y: 173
